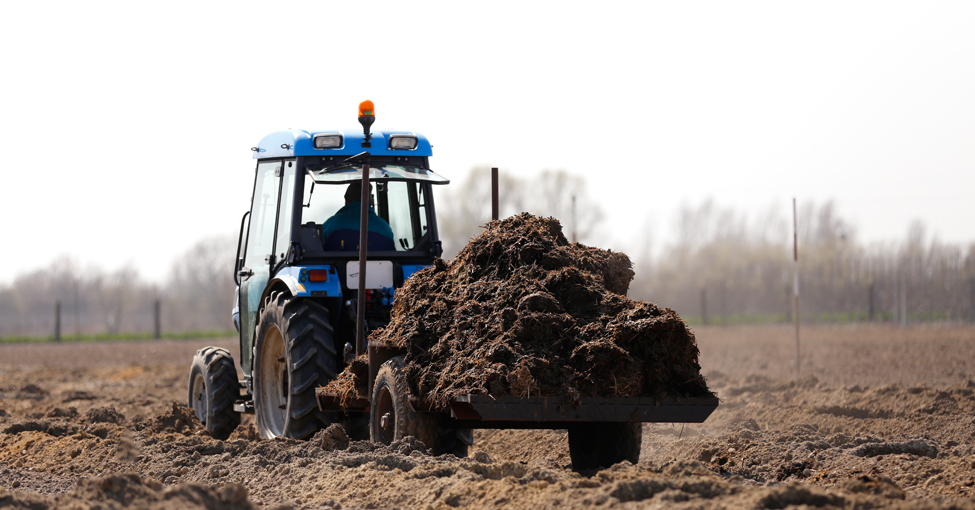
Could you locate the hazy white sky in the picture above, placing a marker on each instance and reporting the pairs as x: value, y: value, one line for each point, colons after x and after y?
x: 127, y: 125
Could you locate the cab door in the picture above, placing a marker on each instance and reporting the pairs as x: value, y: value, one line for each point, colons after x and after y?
x: 258, y: 254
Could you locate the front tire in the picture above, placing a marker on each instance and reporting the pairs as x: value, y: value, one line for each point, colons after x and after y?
x: 294, y: 355
x: 213, y: 390
x: 595, y: 445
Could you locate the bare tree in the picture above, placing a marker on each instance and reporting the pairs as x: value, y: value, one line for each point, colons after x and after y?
x: 199, y: 294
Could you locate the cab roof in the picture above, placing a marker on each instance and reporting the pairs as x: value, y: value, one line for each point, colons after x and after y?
x: 299, y: 142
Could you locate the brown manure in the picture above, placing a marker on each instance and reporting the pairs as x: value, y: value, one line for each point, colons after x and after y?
x: 521, y: 311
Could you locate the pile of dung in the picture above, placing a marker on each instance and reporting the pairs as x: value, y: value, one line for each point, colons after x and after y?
x: 523, y: 312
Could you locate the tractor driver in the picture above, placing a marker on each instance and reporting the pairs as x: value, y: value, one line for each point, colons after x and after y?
x: 341, y: 231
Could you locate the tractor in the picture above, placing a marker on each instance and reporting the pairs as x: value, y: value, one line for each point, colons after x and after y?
x: 311, y: 283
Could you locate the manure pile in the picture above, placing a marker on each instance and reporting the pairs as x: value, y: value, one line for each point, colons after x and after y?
x: 521, y: 311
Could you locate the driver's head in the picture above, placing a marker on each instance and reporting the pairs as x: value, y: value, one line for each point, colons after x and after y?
x: 354, y: 192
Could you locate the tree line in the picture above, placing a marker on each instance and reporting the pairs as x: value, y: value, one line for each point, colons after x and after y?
x: 722, y: 266
x: 197, y: 296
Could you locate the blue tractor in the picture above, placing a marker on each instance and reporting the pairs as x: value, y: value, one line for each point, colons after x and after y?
x: 311, y: 282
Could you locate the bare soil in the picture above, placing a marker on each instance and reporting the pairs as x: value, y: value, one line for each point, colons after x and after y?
x: 877, y: 418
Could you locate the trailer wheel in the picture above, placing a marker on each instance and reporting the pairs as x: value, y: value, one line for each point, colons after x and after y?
x: 595, y: 445
x: 213, y: 390
x: 393, y: 417
x: 294, y: 355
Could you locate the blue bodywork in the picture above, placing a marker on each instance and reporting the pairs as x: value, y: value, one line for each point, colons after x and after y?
x: 300, y: 143
x: 295, y: 277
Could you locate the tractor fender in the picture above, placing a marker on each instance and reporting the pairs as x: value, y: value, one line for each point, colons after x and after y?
x: 295, y: 282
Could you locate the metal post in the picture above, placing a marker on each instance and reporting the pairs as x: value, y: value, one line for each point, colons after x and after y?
x: 57, y: 321
x: 903, y: 300
x: 77, y: 313
x: 495, y: 213
x: 158, y: 323
x: 704, y: 305
x: 574, y: 226
x: 724, y: 303
x: 971, y: 309
x: 795, y: 281
x: 360, y: 317
x: 871, y: 302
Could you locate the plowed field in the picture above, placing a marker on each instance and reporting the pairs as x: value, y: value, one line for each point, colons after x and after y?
x: 877, y: 418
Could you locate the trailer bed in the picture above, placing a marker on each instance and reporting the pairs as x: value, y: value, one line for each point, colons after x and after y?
x: 487, y: 412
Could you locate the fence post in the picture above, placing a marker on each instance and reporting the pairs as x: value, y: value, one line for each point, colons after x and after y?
x: 704, y: 305
x: 903, y: 303
x: 158, y: 329
x: 724, y: 303
x: 971, y: 303
x: 57, y: 321
x: 871, y: 303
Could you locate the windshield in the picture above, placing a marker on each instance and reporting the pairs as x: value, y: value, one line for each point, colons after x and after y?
x: 389, y: 172
x: 399, y: 207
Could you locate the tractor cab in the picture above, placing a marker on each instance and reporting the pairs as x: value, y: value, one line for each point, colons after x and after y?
x: 299, y: 248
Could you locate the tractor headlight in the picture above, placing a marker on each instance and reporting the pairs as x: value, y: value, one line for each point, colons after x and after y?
x: 402, y: 142
x: 328, y: 141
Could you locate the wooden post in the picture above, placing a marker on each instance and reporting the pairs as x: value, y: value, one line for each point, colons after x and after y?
x: 574, y: 228
x: 704, y: 305
x: 57, y: 321
x: 903, y: 300
x: 971, y: 303
x: 158, y: 329
x: 871, y: 304
x: 795, y: 281
x: 724, y: 303
x: 495, y: 213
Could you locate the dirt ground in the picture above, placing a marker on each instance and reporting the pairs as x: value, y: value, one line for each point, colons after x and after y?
x: 877, y: 418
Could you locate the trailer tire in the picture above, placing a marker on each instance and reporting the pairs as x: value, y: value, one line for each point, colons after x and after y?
x: 595, y: 445
x: 294, y: 354
x: 393, y: 417
x: 213, y: 390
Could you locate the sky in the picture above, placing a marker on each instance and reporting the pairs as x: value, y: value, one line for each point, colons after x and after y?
x: 128, y: 125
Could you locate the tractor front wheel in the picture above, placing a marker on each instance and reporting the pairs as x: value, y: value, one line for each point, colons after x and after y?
x: 213, y: 391
x: 294, y: 355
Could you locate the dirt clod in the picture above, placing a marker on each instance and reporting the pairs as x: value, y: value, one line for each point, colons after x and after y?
x: 105, y: 415
x: 179, y: 420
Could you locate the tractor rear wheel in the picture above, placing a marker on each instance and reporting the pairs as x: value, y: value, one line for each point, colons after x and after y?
x: 214, y: 389
x: 294, y: 354
x: 393, y: 417
x: 595, y: 445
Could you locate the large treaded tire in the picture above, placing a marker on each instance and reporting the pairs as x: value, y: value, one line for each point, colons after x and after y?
x: 294, y: 354
x: 596, y: 445
x: 213, y: 390
x: 392, y: 416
